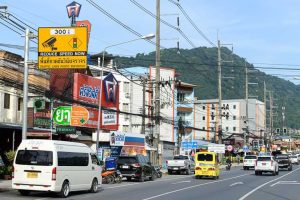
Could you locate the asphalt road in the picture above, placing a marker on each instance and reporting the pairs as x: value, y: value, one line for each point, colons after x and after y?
x: 236, y: 184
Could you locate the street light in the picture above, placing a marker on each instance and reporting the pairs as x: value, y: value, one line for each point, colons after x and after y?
x: 146, y: 37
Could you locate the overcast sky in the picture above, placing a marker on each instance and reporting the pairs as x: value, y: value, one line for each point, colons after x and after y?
x: 262, y: 31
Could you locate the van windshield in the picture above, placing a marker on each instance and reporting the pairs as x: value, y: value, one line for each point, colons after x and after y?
x: 34, y: 157
x: 205, y: 157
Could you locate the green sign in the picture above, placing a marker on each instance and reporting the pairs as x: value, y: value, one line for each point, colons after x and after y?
x: 42, y: 122
x: 62, y: 115
x: 65, y: 130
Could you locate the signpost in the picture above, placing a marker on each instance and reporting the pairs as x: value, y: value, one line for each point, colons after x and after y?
x: 62, y: 47
x: 189, y: 145
x: 70, y: 116
x: 217, y: 148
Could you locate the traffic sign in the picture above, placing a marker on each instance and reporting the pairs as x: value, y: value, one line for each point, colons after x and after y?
x: 229, y: 148
x: 70, y: 116
x: 245, y: 148
x: 189, y: 145
x: 62, y: 47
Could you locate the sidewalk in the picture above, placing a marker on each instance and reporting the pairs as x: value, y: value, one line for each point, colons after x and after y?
x: 5, y: 185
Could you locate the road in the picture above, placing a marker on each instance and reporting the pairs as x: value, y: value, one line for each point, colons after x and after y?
x: 236, y: 184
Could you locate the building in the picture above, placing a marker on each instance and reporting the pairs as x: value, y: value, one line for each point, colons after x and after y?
x: 234, y: 120
x: 11, y: 101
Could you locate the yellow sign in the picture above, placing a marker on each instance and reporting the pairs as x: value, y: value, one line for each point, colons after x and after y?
x: 62, y: 48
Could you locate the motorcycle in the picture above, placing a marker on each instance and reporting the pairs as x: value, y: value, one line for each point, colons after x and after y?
x: 228, y: 166
x: 158, y: 172
x: 111, y: 176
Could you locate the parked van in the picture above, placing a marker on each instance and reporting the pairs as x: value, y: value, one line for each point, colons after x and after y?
x: 55, y: 166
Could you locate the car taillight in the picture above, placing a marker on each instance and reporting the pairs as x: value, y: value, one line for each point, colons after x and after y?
x: 271, y: 162
x: 13, y: 172
x: 256, y: 163
x: 54, y: 174
x: 211, y: 169
x: 198, y: 168
x: 136, y: 165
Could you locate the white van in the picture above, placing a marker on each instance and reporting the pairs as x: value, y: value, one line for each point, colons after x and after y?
x: 55, y: 166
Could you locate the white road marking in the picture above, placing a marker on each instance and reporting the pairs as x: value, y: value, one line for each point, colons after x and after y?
x: 186, y: 188
x: 181, y: 182
x: 255, y: 189
x: 237, y: 183
x: 285, y: 183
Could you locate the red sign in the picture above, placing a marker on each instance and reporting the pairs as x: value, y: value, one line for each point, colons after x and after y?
x: 87, y: 89
x: 85, y: 23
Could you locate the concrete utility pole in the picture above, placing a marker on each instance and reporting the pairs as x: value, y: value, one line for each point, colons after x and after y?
x: 265, y: 101
x: 157, y: 86
x: 220, y: 92
x: 25, y: 85
x: 271, y: 120
x: 246, y: 97
x: 144, y: 102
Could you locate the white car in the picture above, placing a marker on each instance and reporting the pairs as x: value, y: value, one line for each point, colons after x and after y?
x: 55, y: 166
x: 249, y: 161
x: 266, y: 164
x: 294, y: 159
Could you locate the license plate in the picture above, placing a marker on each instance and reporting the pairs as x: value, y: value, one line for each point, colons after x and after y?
x: 32, y: 174
x: 125, y: 167
x: 263, y: 163
x: 175, y: 168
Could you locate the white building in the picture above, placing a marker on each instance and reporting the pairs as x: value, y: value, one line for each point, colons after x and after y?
x: 233, y: 118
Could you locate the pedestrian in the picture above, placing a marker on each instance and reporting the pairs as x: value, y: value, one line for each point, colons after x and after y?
x: 238, y: 158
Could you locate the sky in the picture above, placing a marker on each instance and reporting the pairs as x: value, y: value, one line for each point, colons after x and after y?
x: 262, y: 31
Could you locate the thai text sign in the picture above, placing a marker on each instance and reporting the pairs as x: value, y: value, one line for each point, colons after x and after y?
x: 71, y: 115
x: 62, y: 47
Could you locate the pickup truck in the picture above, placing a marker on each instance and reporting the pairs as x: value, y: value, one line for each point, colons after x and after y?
x: 181, y: 163
x: 284, y: 161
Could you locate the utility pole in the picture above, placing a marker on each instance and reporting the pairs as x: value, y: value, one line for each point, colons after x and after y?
x: 271, y: 120
x: 25, y: 86
x: 247, y: 115
x: 265, y: 101
x: 220, y: 92
x: 157, y: 85
x: 144, y: 102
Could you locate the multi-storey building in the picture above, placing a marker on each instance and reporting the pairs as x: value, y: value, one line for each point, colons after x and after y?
x: 234, y: 119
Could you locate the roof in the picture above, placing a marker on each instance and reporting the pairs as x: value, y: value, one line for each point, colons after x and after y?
x: 184, y: 84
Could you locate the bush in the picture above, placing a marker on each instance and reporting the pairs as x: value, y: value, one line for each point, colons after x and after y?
x: 10, y: 157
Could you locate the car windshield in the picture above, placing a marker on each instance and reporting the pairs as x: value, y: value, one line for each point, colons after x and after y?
x: 263, y: 158
x: 180, y: 157
x: 205, y: 157
x: 250, y: 157
x: 127, y: 160
x: 34, y: 157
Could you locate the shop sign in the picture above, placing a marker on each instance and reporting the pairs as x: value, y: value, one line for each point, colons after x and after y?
x: 70, y: 115
x: 117, y: 138
x: 42, y: 122
x: 65, y: 130
x: 109, y: 117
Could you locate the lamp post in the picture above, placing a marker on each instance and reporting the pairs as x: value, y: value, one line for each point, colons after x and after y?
x: 146, y: 37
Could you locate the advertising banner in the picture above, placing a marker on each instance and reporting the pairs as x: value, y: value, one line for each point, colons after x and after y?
x: 126, y: 139
x: 109, y: 118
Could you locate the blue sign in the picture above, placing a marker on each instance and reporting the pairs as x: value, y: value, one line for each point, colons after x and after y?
x: 189, y: 145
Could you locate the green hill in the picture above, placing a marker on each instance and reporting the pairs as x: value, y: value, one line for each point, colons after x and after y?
x: 199, y: 66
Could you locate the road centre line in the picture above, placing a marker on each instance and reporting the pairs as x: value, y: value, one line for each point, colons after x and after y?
x: 237, y: 183
x: 255, y: 189
x: 181, y: 182
x: 186, y: 188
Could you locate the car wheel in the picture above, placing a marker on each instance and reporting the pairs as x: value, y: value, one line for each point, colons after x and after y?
x: 169, y: 172
x: 94, y: 186
x: 244, y: 168
x: 153, y: 177
x: 65, y: 190
x: 274, y: 173
x: 128, y: 178
x: 256, y: 173
x: 24, y: 192
x: 290, y: 168
x: 277, y: 172
x: 188, y: 171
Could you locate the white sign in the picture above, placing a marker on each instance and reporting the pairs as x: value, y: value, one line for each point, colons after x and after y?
x: 117, y: 138
x: 217, y: 148
x: 229, y: 148
x: 109, y: 118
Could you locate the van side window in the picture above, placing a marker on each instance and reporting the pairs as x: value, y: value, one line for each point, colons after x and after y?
x: 95, y: 160
x: 72, y: 159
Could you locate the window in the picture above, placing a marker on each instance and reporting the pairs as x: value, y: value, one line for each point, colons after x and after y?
x: 227, y: 128
x: 125, y: 128
x: 203, y: 118
x: 33, y: 157
x: 180, y: 157
x: 234, y: 117
x: 72, y: 159
x: 205, y: 157
x: 180, y: 97
x: 126, y: 87
x: 234, y: 106
x: 6, y: 101
x: 203, y: 107
x: 20, y: 104
x: 95, y: 159
x: 125, y: 107
x: 234, y: 128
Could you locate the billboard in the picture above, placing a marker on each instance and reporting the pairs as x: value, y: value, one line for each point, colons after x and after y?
x: 126, y: 139
x: 87, y: 89
x: 62, y: 48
